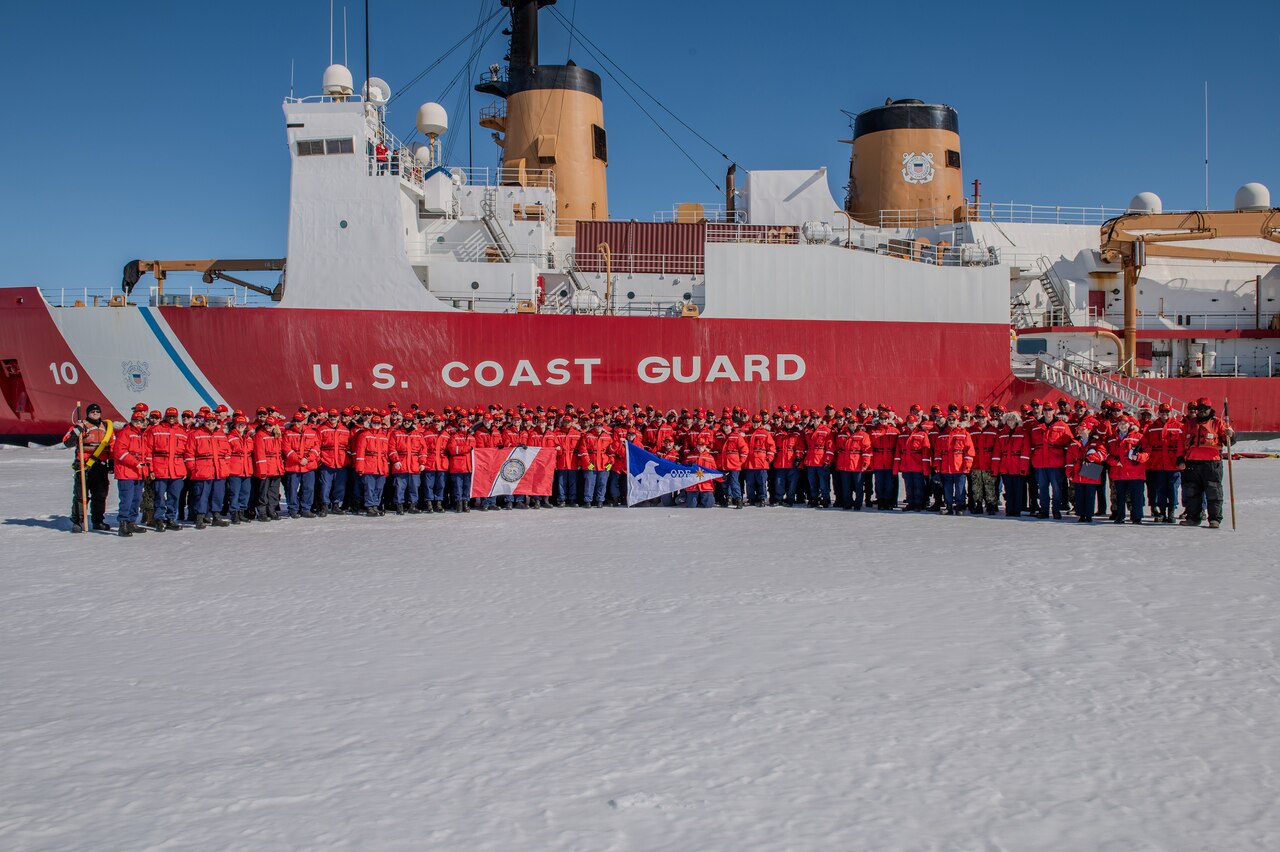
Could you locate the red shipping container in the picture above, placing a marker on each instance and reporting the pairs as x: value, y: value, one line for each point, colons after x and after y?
x: 670, y: 248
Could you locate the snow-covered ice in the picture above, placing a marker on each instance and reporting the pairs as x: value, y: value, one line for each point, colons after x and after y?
x: 640, y: 679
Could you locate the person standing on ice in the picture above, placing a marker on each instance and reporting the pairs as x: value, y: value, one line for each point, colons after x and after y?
x: 371, y: 464
x: 268, y: 467
x: 732, y: 454
x: 131, y: 467
x: 1049, y: 440
x: 92, y: 435
x: 239, y: 468
x: 1128, y: 463
x: 953, y: 459
x: 1206, y: 436
x: 459, y: 446
x: 699, y: 495
x: 166, y: 447
x: 1086, y: 459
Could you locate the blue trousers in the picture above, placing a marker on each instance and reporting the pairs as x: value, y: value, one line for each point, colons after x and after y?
x: 1129, y: 491
x: 594, y: 483
x: 208, y: 493
x: 819, y: 483
x: 699, y: 499
x: 756, y: 483
x: 887, y: 488
x: 1054, y: 478
x: 953, y: 490
x: 567, y: 486
x: 433, y: 485
x: 373, y: 484
x: 300, y: 491
x: 1086, y: 496
x: 130, y: 491
x: 617, y: 486
x: 1014, y: 488
x: 849, y: 488
x: 732, y: 484
x: 1164, y: 489
x: 238, y: 487
x: 406, y: 485
x: 785, y: 482
x: 916, y: 496
x: 333, y: 485
x: 167, y: 492
x: 461, y: 483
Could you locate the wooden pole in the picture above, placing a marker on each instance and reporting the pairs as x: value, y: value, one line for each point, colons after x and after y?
x: 84, y: 492
x: 1231, y: 477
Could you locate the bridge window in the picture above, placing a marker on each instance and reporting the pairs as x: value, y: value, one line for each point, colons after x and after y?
x: 1032, y: 345
x: 317, y: 147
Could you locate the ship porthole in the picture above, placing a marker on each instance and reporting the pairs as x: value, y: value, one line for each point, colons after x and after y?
x: 342, y: 224
x: 475, y: 285
x: 688, y: 296
x: 631, y: 295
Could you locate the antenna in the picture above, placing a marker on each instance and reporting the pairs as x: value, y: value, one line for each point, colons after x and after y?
x: 290, y: 78
x: 330, y: 32
x: 344, y: 35
x: 1206, y: 145
x: 366, y: 48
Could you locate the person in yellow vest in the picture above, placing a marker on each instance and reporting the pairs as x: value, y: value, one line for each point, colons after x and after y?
x: 95, y: 456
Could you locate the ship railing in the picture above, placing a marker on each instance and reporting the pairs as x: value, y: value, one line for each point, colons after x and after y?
x: 1081, y: 377
x: 211, y: 296
x: 710, y: 213
x: 587, y: 263
x: 1193, y: 320
x: 728, y: 232
x: 1000, y: 211
x: 324, y: 99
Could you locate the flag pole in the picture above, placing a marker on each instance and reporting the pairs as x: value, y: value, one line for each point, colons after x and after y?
x: 1231, y: 476
x: 84, y: 493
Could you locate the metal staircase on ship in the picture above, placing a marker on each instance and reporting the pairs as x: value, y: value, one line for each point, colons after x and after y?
x: 1080, y: 377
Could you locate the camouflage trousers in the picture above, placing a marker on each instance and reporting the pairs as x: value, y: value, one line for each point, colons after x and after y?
x: 982, y: 485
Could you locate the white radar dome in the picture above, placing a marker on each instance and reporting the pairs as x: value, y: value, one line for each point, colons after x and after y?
x: 1146, y: 202
x: 421, y: 152
x: 376, y: 91
x: 432, y: 119
x: 1253, y: 196
x: 337, y: 81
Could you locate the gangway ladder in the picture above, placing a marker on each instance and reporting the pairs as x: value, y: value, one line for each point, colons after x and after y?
x: 1082, y: 378
x: 1056, y: 291
x: 489, y: 207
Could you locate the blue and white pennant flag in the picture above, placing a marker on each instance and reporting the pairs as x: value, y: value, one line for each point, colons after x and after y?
x: 650, y: 476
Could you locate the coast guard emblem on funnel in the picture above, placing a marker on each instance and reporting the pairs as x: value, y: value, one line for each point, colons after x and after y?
x: 917, y: 168
x: 137, y: 375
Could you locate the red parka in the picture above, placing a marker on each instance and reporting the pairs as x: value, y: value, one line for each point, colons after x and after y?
x: 335, y: 445
x: 884, y: 445
x: 240, y: 449
x: 167, y: 447
x: 914, y: 453
x: 952, y: 451
x: 853, y: 451
x: 1093, y: 452
x: 761, y: 449
x: 1012, y: 455
x: 1127, y: 458
x: 129, y: 452
x: 459, y: 446
x: 371, y: 453
x: 266, y: 453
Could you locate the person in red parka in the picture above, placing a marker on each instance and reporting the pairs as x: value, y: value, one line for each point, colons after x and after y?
x: 132, y: 466
x: 953, y: 459
x: 1086, y: 459
x: 207, y: 457
x: 852, y: 460
x: 700, y: 494
x: 435, y: 464
x: 789, y: 442
x: 595, y: 458
x: 884, y: 434
x: 268, y: 467
x: 566, y: 436
x: 372, y: 464
x: 819, y: 453
x: 404, y: 453
x: 1050, y: 438
x: 459, y: 446
x: 1164, y: 439
x: 239, y: 468
x: 761, y: 449
x: 300, y: 449
x: 731, y: 455
x: 1012, y: 459
x: 1127, y: 460
x: 913, y: 458
x: 166, y: 447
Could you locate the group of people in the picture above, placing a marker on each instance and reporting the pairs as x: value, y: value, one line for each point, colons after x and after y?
x: 219, y: 467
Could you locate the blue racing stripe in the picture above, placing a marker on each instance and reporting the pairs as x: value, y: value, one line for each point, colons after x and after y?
x: 173, y: 354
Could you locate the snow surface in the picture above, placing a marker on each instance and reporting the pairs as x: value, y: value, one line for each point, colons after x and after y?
x: 642, y: 679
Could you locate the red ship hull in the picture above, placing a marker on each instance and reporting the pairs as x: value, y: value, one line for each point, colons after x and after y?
x: 282, y: 356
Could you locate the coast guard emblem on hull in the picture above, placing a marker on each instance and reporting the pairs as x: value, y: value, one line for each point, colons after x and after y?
x: 137, y: 375
x: 512, y: 470
x: 917, y: 168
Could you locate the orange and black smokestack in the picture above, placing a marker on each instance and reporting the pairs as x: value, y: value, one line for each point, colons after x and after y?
x: 554, y: 122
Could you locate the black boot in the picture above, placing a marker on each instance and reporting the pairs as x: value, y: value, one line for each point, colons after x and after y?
x: 399, y: 508
x: 371, y: 512
x: 466, y: 505
x: 172, y: 525
x: 235, y: 517
x: 200, y: 524
x: 124, y: 531
x: 219, y: 521
x: 101, y: 526
x: 135, y: 528
x: 159, y: 526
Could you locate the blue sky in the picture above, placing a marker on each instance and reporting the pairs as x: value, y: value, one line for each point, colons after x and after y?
x: 154, y: 129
